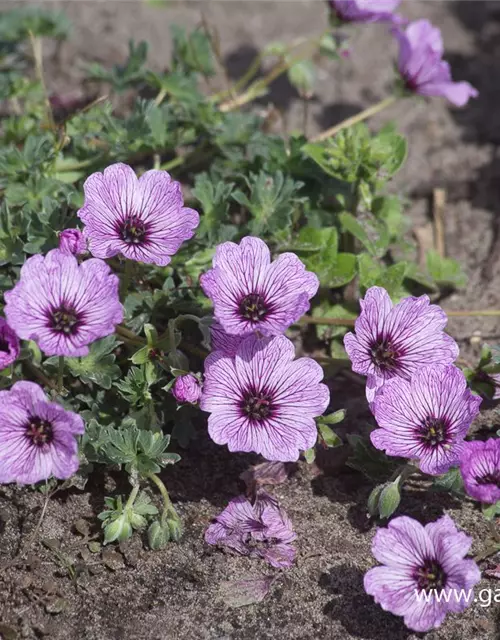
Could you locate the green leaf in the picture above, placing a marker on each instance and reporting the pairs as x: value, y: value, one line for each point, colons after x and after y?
x: 450, y: 482
x: 314, y: 239
x: 301, y: 76
x: 310, y: 455
x: 214, y: 198
x: 390, y: 150
x: 389, y: 499
x: 491, y: 511
x: 118, y: 529
x: 330, y: 438
x: 392, y: 279
x: 372, y: 235
x: 445, y: 271
x: 373, y: 500
x: 271, y: 201
x: 371, y: 462
x: 372, y: 273
x: 337, y: 311
x: 98, y: 366
x: 333, y: 418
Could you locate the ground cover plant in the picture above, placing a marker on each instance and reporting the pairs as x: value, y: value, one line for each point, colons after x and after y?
x: 158, y: 258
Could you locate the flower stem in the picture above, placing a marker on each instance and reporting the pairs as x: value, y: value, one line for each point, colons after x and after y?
x: 129, y: 335
x: 472, y: 312
x: 359, y: 117
x: 159, y: 98
x: 133, y: 495
x: 36, y: 46
x: 60, y: 375
x: 253, y: 70
x: 172, y: 164
x: 168, y: 508
x: 126, y: 277
x: 38, y: 373
x: 349, y: 322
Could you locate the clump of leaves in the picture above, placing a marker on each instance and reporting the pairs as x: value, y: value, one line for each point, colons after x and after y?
x: 329, y: 202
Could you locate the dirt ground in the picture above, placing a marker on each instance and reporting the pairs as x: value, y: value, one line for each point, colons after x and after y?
x: 60, y: 589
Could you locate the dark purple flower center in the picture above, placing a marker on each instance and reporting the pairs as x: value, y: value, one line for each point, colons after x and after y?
x: 65, y: 320
x: 4, y: 346
x: 39, y: 431
x: 430, y: 576
x: 133, y: 230
x: 490, y: 478
x: 257, y: 405
x: 434, y: 431
x: 253, y: 307
x: 384, y: 354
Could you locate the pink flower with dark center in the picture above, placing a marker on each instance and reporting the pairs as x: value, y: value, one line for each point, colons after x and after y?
x: 422, y: 68
x: 365, y: 10
x: 263, y: 400
x: 425, y: 418
x: 424, y: 573
x: 480, y: 468
x: 72, y: 241
x: 187, y: 389
x: 262, y: 529
x: 9, y: 345
x: 250, y: 293
x: 64, y: 306
x: 142, y: 219
x: 396, y: 340
x: 37, y: 437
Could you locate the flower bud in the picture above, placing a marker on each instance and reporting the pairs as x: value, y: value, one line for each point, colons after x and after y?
x: 175, y: 528
x: 120, y: 529
x: 158, y: 535
x: 72, y: 241
x: 187, y: 389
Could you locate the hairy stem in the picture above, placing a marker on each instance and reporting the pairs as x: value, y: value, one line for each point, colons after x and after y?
x: 38, y: 373
x: 36, y: 46
x: 129, y: 335
x: 126, y: 278
x: 60, y: 375
x: 172, y: 164
x: 359, y: 117
x: 133, y: 495
x: 168, y: 508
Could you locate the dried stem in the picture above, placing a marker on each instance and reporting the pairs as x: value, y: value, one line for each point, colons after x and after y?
x: 439, y: 202
x: 359, y: 117
x: 36, y: 46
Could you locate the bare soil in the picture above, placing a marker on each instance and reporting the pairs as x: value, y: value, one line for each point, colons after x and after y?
x: 54, y: 587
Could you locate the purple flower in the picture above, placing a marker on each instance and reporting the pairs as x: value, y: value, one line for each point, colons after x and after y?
x: 143, y: 219
x: 480, y: 468
x: 397, y: 340
x: 9, y: 345
x: 72, y: 241
x: 423, y: 70
x: 417, y: 563
x: 222, y: 341
x: 37, y: 437
x: 365, y: 10
x: 249, y: 292
x: 262, y: 529
x: 263, y: 400
x: 64, y: 306
x: 426, y: 418
x: 187, y: 389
